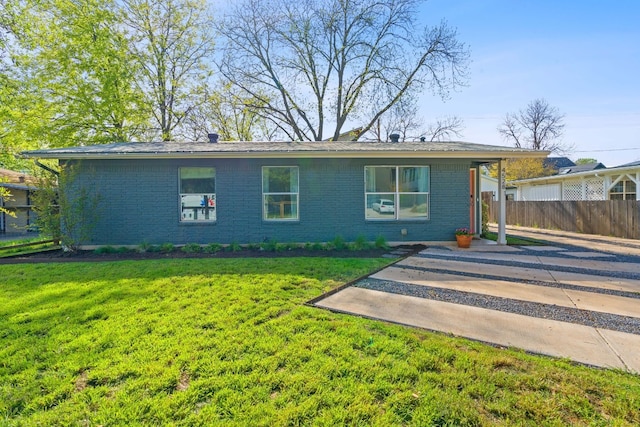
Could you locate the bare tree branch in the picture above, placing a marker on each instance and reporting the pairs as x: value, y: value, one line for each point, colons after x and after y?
x: 445, y: 129
x: 539, y: 127
x: 317, y: 64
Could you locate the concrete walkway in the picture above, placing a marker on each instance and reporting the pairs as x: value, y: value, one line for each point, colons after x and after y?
x: 589, y: 276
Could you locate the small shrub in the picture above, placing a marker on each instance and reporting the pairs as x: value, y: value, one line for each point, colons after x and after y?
x: 381, y: 242
x: 192, y: 248
x: 123, y: 250
x: 153, y: 248
x: 253, y: 246
x: 339, y: 243
x: 166, y: 248
x: 269, y: 245
x: 485, y: 219
x: 105, y: 250
x: 144, y: 247
x: 213, y: 248
x: 360, y: 243
x: 317, y: 246
x: 234, y: 247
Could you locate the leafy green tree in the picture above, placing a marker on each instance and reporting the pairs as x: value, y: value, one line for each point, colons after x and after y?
x: 72, y: 82
x: 67, y: 210
x: 93, y: 71
x: 585, y: 161
x: 171, y: 44
x: 522, y: 169
x: 5, y: 195
x: 226, y: 113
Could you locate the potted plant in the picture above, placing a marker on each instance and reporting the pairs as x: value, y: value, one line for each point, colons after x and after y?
x: 463, y: 237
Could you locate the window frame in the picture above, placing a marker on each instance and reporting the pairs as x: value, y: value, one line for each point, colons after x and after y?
x: 209, y: 210
x: 626, y: 193
x: 265, y: 212
x: 396, y: 194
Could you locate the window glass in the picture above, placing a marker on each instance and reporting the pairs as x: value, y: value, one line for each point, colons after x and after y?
x: 396, y: 192
x: 414, y: 179
x: 623, y: 190
x: 280, y: 180
x: 380, y: 179
x: 618, y: 188
x: 280, y: 193
x: 413, y: 206
x: 197, y: 194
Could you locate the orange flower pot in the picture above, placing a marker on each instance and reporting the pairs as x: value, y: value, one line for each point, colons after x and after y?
x: 464, y: 241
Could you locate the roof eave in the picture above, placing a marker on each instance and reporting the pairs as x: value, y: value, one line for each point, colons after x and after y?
x: 604, y: 171
x: 484, y: 156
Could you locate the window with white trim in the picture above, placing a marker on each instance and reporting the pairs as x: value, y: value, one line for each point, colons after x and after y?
x: 197, y: 194
x: 623, y: 190
x: 396, y: 192
x: 280, y: 193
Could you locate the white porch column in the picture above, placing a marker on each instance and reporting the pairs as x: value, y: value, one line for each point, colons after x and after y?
x: 502, y: 197
x: 638, y: 186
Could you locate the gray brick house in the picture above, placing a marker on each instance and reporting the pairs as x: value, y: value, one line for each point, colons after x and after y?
x: 249, y: 192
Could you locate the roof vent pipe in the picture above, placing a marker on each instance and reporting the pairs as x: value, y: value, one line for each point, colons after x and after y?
x: 395, y: 137
x: 213, y: 137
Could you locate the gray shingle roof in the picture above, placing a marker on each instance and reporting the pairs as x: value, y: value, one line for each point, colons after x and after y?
x: 626, y: 165
x: 581, y: 168
x: 558, y: 162
x: 284, y: 149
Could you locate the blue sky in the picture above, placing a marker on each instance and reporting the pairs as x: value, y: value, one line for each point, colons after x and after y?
x: 582, y: 57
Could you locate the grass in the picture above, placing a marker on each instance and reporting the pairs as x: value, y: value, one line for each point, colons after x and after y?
x: 229, y: 342
x: 513, y: 240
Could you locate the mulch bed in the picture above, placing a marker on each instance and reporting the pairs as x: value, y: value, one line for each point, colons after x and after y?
x: 91, y: 256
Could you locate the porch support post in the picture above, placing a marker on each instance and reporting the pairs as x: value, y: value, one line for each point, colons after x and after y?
x: 502, y: 197
x: 478, y: 202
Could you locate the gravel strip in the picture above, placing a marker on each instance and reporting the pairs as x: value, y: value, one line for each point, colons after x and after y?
x: 618, y: 274
x: 544, y: 311
x: 559, y: 285
x: 540, y: 236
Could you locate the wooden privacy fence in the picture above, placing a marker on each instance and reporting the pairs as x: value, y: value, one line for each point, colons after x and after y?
x: 618, y: 218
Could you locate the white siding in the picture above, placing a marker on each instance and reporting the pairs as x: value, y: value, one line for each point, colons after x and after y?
x: 489, y: 184
x: 595, y: 185
x: 540, y: 192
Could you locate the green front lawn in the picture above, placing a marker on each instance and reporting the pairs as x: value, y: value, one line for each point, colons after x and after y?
x: 514, y: 240
x: 230, y: 342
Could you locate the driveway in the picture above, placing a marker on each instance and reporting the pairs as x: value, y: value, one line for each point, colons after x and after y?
x: 576, y: 297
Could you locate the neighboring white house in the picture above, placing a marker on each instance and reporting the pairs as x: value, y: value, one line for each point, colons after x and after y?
x: 489, y: 184
x: 617, y: 183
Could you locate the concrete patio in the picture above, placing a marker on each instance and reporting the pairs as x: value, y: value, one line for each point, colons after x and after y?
x: 593, y: 279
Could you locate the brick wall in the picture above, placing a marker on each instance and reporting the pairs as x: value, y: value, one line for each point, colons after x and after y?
x: 139, y: 202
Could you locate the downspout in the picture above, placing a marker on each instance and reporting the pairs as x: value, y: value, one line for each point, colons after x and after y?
x: 502, y: 197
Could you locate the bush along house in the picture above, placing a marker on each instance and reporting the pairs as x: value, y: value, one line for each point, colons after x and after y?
x: 251, y: 192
